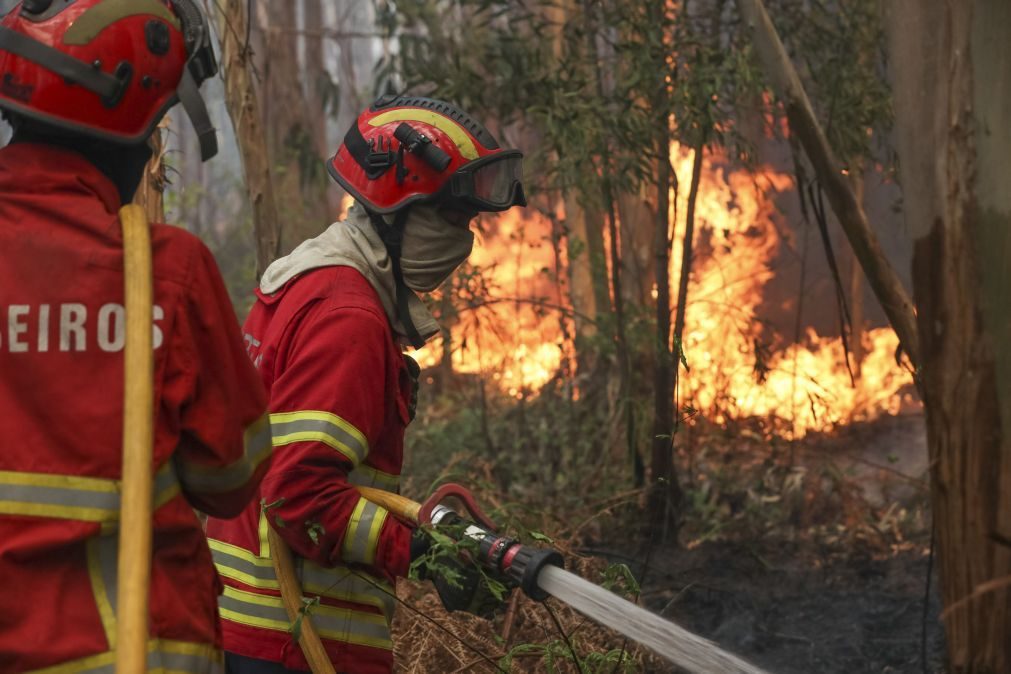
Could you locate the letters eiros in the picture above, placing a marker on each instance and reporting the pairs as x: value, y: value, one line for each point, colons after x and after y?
x: 45, y: 328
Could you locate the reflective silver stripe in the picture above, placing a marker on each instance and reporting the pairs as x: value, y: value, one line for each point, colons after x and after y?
x: 242, y: 569
x: 274, y: 612
x: 362, y: 535
x: 313, y: 426
x: 335, y: 623
x: 64, y: 498
x: 216, y: 480
x: 73, y: 497
x: 164, y: 657
x: 333, y: 583
x: 367, y: 476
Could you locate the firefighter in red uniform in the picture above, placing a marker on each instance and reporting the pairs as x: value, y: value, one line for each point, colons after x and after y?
x: 327, y: 335
x: 84, y: 83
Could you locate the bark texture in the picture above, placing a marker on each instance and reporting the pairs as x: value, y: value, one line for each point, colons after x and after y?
x: 952, y: 64
x: 247, y: 118
x: 638, y: 224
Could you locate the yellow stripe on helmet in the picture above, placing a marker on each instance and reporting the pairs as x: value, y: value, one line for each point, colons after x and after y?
x: 93, y: 21
x: 455, y: 132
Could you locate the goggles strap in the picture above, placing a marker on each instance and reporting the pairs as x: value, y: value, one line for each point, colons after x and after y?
x: 109, y: 88
x: 196, y: 110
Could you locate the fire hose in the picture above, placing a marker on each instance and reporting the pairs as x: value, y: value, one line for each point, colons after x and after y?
x: 538, y: 571
x: 135, y: 521
x: 501, y: 555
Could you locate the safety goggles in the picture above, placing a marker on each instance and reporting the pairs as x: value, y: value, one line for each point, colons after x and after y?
x: 492, y: 183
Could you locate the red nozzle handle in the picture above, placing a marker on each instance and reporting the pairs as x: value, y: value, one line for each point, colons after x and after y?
x: 463, y: 495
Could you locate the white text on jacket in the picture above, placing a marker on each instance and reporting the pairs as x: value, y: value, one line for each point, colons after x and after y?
x: 46, y: 328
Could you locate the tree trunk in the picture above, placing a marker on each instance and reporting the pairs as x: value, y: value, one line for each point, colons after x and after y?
x: 317, y: 81
x: 951, y: 62
x: 587, y: 275
x: 686, y: 260
x: 298, y: 168
x: 244, y: 110
x: 638, y: 227
x: 856, y: 285
x: 665, y: 493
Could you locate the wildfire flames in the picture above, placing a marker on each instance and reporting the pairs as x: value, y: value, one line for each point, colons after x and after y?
x: 517, y: 337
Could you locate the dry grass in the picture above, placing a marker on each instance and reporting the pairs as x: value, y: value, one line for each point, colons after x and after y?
x: 423, y: 648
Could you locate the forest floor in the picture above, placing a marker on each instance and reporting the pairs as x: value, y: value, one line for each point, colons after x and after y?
x: 843, y: 595
x: 805, y: 558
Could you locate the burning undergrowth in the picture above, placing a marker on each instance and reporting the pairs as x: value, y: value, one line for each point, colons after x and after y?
x: 511, y: 322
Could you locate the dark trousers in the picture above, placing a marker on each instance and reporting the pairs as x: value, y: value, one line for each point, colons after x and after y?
x: 239, y: 664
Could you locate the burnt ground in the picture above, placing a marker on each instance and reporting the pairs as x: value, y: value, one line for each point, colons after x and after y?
x: 786, y: 610
x: 842, y: 595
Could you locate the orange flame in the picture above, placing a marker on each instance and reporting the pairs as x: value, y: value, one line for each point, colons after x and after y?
x: 519, y: 338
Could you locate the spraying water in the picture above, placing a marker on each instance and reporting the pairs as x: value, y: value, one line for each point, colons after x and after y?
x: 678, y: 645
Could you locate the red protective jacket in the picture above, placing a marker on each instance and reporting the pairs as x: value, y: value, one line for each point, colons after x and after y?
x: 61, y: 400
x: 339, y: 395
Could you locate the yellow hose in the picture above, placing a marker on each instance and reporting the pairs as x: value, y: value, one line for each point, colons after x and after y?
x: 402, y: 508
x: 138, y: 438
x: 291, y: 594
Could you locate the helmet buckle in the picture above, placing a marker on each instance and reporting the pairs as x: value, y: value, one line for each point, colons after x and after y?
x: 378, y: 161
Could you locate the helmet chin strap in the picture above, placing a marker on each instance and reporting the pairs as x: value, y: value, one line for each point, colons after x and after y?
x: 393, y: 239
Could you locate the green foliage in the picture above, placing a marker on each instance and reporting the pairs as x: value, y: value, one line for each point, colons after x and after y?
x: 450, y: 553
x: 602, y: 86
x: 838, y: 48
x: 314, y: 531
x: 304, y: 611
x: 619, y: 578
x: 265, y: 508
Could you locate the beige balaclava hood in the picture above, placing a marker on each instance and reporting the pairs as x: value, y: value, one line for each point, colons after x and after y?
x: 432, y: 249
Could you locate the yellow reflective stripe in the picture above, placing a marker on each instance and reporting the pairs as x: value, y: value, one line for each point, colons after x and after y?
x: 455, y: 132
x: 102, y: 564
x: 164, y: 657
x: 367, y: 476
x: 337, y: 582
x: 313, y: 426
x: 86, y: 499
x: 362, y: 535
x: 102, y: 15
x: 261, y: 530
x: 332, y: 622
x: 257, y: 447
x: 75, y: 482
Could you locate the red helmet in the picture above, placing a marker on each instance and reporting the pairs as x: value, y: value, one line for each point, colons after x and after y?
x: 109, y: 69
x: 406, y: 149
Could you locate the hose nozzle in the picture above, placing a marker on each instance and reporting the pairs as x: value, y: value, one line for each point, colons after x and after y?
x: 524, y: 566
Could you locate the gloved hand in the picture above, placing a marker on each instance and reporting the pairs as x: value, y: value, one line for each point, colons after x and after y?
x: 460, y: 583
